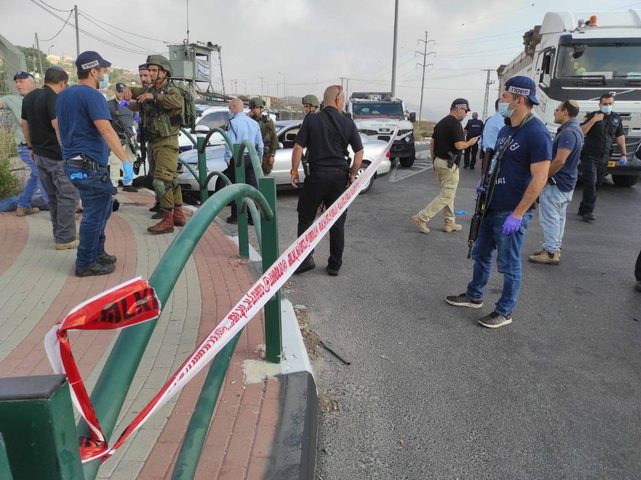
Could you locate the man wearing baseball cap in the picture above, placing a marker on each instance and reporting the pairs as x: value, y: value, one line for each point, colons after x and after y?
x: 25, y: 83
x: 87, y: 136
x: 448, y: 143
x: 517, y: 174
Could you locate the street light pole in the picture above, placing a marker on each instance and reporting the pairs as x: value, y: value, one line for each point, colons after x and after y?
x: 394, y: 48
x: 284, y: 86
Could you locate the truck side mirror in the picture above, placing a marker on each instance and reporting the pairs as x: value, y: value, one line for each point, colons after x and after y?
x: 413, y: 117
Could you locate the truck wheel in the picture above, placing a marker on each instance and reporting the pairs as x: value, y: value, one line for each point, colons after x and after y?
x: 370, y: 184
x: 624, y: 180
x: 407, y: 161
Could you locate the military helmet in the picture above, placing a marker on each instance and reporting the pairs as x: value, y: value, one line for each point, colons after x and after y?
x: 310, y: 100
x: 257, y: 102
x: 161, y: 61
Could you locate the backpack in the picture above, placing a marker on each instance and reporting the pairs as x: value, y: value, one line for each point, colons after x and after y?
x: 189, y: 115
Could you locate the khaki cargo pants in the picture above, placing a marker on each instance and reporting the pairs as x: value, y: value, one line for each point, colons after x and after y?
x: 166, y: 186
x: 448, y: 179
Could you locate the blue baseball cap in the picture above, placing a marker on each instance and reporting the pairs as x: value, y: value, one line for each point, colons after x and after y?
x: 524, y: 86
x: 21, y: 75
x: 90, y: 59
x: 120, y: 87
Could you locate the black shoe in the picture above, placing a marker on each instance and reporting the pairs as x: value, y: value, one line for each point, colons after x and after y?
x: 463, y: 300
x: 588, y: 217
x: 155, y: 208
x: 95, y: 269
x: 129, y: 188
x: 638, y: 287
x: 471, y: 168
x: 231, y: 219
x: 157, y: 215
x: 332, y: 271
x: 307, y: 265
x: 115, y: 205
x: 495, y: 320
x: 106, y: 259
x: 114, y: 191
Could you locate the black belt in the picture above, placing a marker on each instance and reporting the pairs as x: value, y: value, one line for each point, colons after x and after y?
x: 86, y: 162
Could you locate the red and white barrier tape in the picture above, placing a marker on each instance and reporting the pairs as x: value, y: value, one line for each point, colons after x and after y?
x: 134, y: 302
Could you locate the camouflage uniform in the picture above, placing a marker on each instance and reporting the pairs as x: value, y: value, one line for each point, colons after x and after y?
x: 268, y: 132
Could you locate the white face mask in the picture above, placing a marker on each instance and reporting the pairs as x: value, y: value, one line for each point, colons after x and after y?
x: 606, y: 109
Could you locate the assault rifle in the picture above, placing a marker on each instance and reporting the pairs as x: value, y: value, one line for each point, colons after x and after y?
x: 481, y: 201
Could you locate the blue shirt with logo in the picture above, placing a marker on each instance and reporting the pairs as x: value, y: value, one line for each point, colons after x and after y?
x: 76, y: 108
x: 531, y: 144
x: 568, y: 137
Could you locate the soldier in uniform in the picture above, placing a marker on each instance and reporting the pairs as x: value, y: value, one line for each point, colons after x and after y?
x: 600, y: 128
x: 310, y: 104
x: 267, y: 132
x: 162, y: 109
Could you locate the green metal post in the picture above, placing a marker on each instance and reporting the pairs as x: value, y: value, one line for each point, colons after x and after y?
x: 273, y: 330
x: 36, y: 420
x: 202, y: 169
x: 5, y: 470
x: 194, y: 440
x: 243, y: 227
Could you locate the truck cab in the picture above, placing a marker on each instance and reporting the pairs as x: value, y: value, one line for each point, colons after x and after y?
x: 580, y: 57
x: 377, y: 115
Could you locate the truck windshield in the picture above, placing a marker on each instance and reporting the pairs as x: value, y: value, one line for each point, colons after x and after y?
x: 602, y: 60
x: 377, y: 109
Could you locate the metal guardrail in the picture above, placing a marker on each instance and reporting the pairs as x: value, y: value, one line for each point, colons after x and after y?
x: 117, y: 375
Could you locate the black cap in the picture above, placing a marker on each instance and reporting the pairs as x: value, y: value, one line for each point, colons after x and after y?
x: 22, y: 75
x: 143, y: 66
x: 56, y: 68
x: 461, y: 103
x: 90, y: 59
x: 120, y: 87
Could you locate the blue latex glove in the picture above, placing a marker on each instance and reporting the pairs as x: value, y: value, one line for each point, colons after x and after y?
x: 128, y: 177
x: 623, y: 160
x: 511, y: 225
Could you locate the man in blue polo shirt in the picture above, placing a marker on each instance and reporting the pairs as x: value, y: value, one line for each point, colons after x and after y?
x: 557, y: 194
x: 87, y: 136
x: 519, y: 171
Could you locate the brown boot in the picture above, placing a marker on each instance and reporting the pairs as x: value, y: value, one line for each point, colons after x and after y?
x: 166, y: 225
x: 179, y: 217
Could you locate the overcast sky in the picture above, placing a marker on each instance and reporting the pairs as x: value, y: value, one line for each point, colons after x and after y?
x: 311, y: 43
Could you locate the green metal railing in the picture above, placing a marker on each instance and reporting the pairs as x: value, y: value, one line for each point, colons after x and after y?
x: 116, y: 377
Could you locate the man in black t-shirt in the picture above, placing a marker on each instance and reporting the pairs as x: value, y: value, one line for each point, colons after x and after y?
x: 40, y: 128
x: 448, y: 141
x: 326, y: 136
x: 473, y: 128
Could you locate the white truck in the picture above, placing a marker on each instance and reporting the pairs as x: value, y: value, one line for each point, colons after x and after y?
x: 580, y: 57
x: 377, y: 115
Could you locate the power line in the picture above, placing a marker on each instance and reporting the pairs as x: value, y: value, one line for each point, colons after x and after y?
x: 54, y: 8
x: 85, y: 14
x: 61, y: 28
x: 110, y: 33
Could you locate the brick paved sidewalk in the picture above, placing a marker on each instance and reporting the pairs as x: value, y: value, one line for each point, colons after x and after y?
x: 37, y: 288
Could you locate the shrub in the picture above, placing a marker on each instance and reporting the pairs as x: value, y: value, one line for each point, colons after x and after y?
x: 9, y: 184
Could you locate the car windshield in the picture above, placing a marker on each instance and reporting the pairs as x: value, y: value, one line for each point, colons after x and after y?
x: 376, y: 109
x: 599, y: 60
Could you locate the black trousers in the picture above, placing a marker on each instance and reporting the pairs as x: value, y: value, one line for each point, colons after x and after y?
x: 594, y: 170
x: 250, y: 179
x: 324, y: 186
x: 637, y: 268
x: 470, y: 155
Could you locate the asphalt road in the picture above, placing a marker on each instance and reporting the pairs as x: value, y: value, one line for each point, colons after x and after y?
x: 430, y: 394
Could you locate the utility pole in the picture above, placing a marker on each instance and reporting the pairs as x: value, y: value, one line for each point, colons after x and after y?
x: 488, y: 82
x: 262, y: 85
x: 220, y: 61
x: 394, y: 48
x: 75, y: 11
x: 345, y: 84
x: 39, y: 56
x: 423, y: 64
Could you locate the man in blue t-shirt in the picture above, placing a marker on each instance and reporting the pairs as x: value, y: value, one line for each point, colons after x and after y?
x: 520, y: 171
x: 557, y: 194
x: 87, y: 136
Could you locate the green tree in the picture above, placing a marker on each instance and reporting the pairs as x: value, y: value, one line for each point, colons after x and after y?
x: 31, y: 55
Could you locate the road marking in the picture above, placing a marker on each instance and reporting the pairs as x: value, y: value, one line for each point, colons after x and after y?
x: 399, y: 173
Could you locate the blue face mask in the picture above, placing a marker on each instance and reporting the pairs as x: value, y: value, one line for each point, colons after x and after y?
x: 606, y: 109
x: 504, y: 110
x: 104, y: 83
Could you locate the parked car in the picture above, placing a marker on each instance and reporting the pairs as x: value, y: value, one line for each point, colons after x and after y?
x: 286, y: 131
x: 209, y: 117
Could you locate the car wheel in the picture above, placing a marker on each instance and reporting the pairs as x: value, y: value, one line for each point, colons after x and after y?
x: 369, y: 185
x: 624, y: 180
x: 407, y: 161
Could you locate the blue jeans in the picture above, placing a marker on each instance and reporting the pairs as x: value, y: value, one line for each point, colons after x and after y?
x: 33, y: 184
x: 553, y: 204
x: 95, y: 191
x: 490, y: 237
